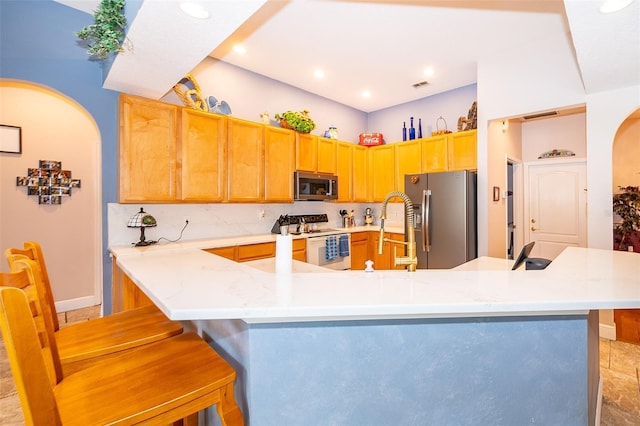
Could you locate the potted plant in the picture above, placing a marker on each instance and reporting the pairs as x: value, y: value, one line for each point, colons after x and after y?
x: 626, y: 204
x: 298, y: 121
x: 106, y: 35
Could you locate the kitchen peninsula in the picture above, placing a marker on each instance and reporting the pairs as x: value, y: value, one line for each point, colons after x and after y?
x: 438, y: 347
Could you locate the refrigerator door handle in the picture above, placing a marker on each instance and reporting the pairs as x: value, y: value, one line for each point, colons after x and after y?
x: 426, y: 199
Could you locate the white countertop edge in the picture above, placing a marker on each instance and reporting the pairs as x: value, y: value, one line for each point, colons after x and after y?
x: 190, y: 284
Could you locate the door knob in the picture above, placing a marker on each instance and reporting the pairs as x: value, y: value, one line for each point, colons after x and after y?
x: 533, y: 228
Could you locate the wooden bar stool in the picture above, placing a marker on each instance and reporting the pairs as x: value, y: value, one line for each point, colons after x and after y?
x: 79, y: 343
x: 160, y: 383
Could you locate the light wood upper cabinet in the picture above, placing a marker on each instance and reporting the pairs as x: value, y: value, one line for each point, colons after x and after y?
x: 434, y: 154
x: 408, y: 160
x: 306, y: 152
x: 147, y: 151
x: 201, y: 160
x: 279, y: 164
x: 245, y: 161
x: 315, y: 154
x: 344, y: 160
x: 360, y: 183
x: 382, y: 171
x: 326, y: 156
x: 463, y: 151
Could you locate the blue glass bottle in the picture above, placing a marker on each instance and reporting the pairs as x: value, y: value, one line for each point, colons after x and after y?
x: 419, y: 128
x: 412, y: 131
x: 404, y: 130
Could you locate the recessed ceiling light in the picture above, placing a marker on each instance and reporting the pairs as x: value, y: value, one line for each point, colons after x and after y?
x: 239, y: 49
x: 428, y: 71
x: 195, y: 10
x: 318, y: 74
x: 366, y: 94
x: 611, y: 6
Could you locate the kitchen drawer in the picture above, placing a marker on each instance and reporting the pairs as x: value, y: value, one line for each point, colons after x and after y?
x: 256, y: 251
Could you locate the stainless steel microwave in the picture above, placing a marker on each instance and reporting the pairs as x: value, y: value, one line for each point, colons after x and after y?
x: 315, y: 186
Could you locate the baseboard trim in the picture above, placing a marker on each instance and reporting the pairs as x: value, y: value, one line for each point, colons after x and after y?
x: 79, y: 303
x: 607, y: 331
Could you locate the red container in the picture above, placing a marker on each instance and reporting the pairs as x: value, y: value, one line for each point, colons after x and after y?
x: 371, y: 139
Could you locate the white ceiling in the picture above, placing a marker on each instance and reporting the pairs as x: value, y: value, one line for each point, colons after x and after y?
x: 375, y: 45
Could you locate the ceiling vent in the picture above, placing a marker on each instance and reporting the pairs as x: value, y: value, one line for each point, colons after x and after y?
x: 540, y: 115
x: 420, y: 84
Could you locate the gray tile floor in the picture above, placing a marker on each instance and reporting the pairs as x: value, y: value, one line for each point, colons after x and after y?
x: 619, y: 367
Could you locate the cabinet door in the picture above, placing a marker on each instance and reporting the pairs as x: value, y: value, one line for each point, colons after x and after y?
x: 434, y: 154
x: 279, y: 163
x: 360, y: 180
x: 245, y: 161
x: 299, y: 248
x: 306, y: 152
x: 147, y: 150
x: 326, y: 156
x: 344, y: 162
x: 408, y: 160
x: 400, y: 248
x: 359, y: 250
x: 463, y: 152
x: 201, y: 169
x: 380, y: 261
x: 382, y: 163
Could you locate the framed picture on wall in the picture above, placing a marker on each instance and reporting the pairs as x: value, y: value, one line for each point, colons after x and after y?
x: 10, y: 139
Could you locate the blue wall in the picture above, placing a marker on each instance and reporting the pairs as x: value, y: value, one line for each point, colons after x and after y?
x: 38, y: 44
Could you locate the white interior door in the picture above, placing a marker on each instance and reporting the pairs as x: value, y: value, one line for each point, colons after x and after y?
x: 557, y: 206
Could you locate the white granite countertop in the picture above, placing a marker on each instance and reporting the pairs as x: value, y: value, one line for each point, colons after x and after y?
x: 190, y: 284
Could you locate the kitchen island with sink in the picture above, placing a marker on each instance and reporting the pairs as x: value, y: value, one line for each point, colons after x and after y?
x: 468, y: 346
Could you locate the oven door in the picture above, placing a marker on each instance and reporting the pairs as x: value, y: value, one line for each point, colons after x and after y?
x: 317, y: 253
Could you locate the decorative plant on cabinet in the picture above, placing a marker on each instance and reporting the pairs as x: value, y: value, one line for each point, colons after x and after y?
x: 106, y: 35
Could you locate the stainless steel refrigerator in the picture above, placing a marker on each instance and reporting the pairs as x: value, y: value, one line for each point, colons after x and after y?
x: 445, y: 208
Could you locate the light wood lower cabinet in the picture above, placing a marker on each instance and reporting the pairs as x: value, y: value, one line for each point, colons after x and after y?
x: 125, y: 294
x: 248, y: 252
x: 359, y: 250
x: 385, y: 260
x: 300, y: 249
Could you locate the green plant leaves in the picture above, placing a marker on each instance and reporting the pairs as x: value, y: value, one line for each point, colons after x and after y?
x: 298, y: 121
x: 105, y: 36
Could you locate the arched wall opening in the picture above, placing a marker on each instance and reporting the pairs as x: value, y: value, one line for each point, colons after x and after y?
x: 54, y: 127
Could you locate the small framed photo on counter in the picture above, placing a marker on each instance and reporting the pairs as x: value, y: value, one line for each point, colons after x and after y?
x: 10, y: 139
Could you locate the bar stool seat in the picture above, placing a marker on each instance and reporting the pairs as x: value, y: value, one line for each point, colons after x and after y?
x: 106, y: 336
x: 160, y: 383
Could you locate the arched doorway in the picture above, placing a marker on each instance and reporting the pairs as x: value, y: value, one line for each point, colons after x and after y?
x: 626, y: 172
x: 54, y: 128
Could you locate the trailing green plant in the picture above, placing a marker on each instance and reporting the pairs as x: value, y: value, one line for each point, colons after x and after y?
x: 298, y: 121
x: 106, y: 35
x: 626, y: 204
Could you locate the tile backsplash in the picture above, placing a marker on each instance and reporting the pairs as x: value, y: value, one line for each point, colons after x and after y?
x: 227, y: 220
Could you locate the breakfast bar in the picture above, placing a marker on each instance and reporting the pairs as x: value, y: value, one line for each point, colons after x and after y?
x: 477, y: 345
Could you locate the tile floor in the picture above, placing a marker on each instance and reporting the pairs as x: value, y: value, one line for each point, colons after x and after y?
x: 619, y: 368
